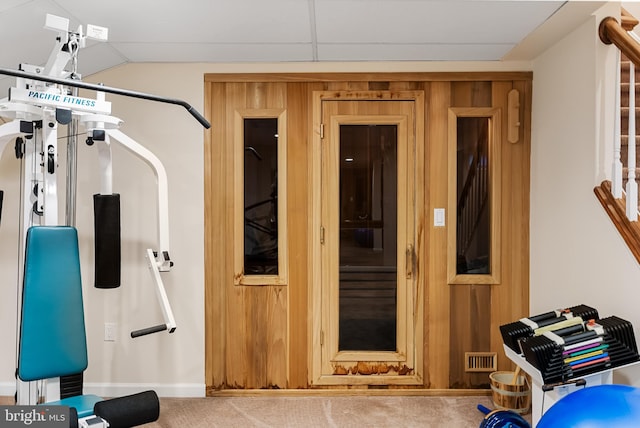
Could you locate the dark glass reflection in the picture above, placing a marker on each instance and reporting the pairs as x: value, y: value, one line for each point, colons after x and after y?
x: 368, y: 244
x: 473, y: 228
x: 260, y: 196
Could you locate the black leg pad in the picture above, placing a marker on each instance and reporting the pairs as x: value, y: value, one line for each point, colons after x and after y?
x: 73, y: 417
x: 129, y: 411
x: 107, y: 240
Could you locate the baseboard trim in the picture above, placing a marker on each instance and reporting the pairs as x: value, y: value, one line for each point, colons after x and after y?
x: 327, y: 392
x: 179, y: 390
x: 182, y: 390
x: 7, y: 389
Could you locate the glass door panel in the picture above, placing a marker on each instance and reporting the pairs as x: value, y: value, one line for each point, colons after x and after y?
x: 368, y: 238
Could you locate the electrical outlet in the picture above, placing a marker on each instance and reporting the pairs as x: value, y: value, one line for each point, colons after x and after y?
x: 109, y: 332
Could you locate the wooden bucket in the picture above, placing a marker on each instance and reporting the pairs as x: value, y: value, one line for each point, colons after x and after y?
x: 510, y: 396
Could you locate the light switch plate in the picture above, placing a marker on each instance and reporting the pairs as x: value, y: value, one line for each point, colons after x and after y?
x: 438, y: 217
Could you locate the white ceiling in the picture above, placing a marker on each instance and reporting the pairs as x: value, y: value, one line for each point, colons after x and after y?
x: 274, y: 30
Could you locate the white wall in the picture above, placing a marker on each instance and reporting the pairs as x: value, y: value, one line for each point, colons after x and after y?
x: 577, y: 256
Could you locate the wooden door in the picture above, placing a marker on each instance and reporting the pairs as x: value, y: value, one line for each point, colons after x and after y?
x: 367, y: 243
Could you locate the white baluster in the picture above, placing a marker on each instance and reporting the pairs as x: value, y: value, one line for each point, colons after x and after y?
x: 632, y: 186
x: 616, y: 179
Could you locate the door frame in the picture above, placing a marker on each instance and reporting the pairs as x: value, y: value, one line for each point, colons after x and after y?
x: 316, y: 377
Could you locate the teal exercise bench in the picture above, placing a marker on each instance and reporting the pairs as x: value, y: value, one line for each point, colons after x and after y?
x: 53, y: 341
x: 52, y: 331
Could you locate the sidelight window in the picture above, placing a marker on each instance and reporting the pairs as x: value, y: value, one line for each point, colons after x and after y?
x: 260, y: 209
x: 474, y: 200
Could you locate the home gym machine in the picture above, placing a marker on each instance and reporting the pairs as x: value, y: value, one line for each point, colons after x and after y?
x: 51, y: 349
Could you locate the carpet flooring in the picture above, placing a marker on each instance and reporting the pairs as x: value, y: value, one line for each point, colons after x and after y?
x: 320, y: 412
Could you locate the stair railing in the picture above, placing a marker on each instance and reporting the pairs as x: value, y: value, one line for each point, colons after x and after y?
x: 629, y: 44
x: 632, y: 185
x: 616, y: 180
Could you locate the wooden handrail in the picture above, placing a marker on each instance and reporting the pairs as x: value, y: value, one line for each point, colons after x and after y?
x: 615, y: 208
x: 627, y: 20
x: 611, y: 31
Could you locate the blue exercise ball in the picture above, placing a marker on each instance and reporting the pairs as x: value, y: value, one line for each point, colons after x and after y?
x: 610, y: 406
x: 502, y: 419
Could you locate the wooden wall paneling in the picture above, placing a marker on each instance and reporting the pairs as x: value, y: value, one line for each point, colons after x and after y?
x: 371, y: 77
x: 299, y: 127
x: 238, y: 334
x: 524, y: 179
x: 265, y: 307
x: 276, y: 301
x: 209, y: 305
x: 215, y: 256
x: 424, y: 231
x: 348, y: 86
x: 524, y: 88
x: 470, y: 323
x: 256, y: 316
x: 420, y: 226
x: 275, y: 348
x: 502, y: 297
x: 297, y: 106
x: 437, y: 313
x: 212, y: 368
x: 258, y: 337
x: 257, y: 302
x: 480, y: 295
x: 480, y: 314
x: 405, y: 86
x: 394, y: 86
x: 314, y: 303
x: 470, y: 332
x: 471, y: 94
x: 461, y: 96
x: 507, y: 302
x: 460, y: 334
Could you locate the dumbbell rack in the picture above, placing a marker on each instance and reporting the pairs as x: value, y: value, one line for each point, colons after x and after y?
x: 542, y: 398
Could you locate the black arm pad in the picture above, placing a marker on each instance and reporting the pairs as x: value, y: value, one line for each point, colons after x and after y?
x: 142, y: 332
x: 130, y: 410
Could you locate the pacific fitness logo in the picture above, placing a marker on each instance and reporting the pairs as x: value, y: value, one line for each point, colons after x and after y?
x: 34, y: 416
x: 65, y: 99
